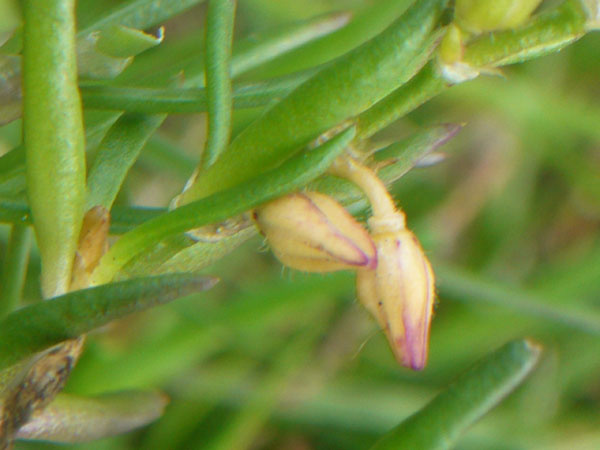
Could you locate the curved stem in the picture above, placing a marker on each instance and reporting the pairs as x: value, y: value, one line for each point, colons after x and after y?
x: 364, y: 177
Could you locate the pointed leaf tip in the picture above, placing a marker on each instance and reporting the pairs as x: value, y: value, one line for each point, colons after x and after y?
x: 442, y: 422
x: 40, y: 326
x: 71, y: 418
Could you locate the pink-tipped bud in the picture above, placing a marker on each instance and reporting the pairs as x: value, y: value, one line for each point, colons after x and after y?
x: 314, y: 233
x: 400, y: 291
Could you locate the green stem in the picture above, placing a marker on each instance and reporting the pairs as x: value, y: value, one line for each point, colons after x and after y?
x: 546, y: 33
x: 53, y: 137
x: 338, y: 92
x: 15, y: 268
x: 219, y: 39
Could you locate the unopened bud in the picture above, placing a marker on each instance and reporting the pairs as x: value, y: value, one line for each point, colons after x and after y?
x: 314, y: 233
x: 479, y: 16
x: 400, y: 291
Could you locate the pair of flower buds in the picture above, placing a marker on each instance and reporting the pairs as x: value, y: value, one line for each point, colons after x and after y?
x: 312, y: 232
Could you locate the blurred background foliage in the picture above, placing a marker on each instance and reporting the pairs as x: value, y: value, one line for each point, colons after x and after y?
x: 277, y: 359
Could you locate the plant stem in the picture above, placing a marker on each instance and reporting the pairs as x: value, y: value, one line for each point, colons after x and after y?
x: 53, y: 137
x: 219, y: 39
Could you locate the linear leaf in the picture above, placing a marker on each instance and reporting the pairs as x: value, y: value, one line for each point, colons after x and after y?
x: 139, y: 14
x: 219, y: 40
x: 338, y: 92
x: 248, y: 53
x: 117, y: 152
x: 291, y: 175
x: 53, y: 136
x: 185, y: 100
x: 37, y: 327
x: 70, y: 418
x: 439, y: 424
x: 399, y: 158
x: 548, y: 32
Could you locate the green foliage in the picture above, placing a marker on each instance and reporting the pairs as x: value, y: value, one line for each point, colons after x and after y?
x: 439, y: 424
x: 508, y: 213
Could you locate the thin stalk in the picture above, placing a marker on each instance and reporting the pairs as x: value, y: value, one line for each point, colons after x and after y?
x: 219, y: 41
x: 53, y: 137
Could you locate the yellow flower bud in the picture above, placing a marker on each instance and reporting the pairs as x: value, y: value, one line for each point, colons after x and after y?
x: 450, y: 55
x: 479, y: 16
x: 312, y: 232
x: 400, y: 291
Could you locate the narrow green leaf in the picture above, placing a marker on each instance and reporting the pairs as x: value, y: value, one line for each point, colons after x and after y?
x: 338, y: 92
x: 545, y: 33
x: 108, y: 52
x: 124, y: 42
x: 203, y: 254
x: 185, y: 100
x: 70, y: 418
x: 123, y: 218
x: 440, y: 424
x: 424, y: 86
x: 408, y: 151
x: 37, y: 327
x: 203, y: 331
x: 254, y: 51
x: 12, y: 164
x: 179, y: 254
x: 140, y: 14
x: 251, y: 53
x: 248, y: 53
x: 15, y: 268
x: 219, y: 40
x: 53, y: 136
x: 405, y: 154
x: 366, y: 22
x: 291, y: 175
x: 118, y: 151
x: 399, y: 158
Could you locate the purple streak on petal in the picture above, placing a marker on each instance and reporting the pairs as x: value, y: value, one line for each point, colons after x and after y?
x: 363, y: 259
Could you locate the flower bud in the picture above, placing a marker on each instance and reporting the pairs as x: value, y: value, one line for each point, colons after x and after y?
x: 479, y: 16
x: 399, y: 292
x: 312, y: 232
